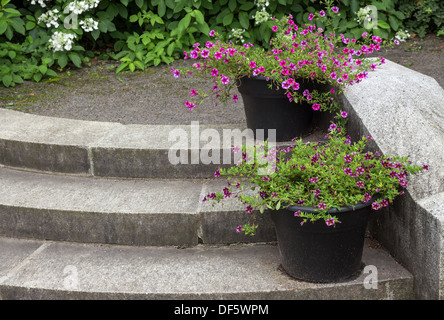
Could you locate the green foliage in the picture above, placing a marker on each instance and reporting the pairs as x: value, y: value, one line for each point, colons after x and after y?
x: 143, y: 33
x: 424, y: 17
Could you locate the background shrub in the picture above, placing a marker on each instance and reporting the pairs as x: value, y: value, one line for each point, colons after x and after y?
x: 37, y: 37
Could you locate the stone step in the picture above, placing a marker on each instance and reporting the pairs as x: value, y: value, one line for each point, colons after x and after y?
x: 153, y: 212
x: 31, y: 269
x: 106, y: 149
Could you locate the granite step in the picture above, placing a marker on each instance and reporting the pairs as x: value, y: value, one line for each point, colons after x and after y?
x: 31, y: 269
x: 120, y: 211
x: 105, y: 149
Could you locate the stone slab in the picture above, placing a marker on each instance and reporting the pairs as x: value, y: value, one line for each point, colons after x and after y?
x: 85, y: 271
x: 403, y: 111
x: 120, y: 211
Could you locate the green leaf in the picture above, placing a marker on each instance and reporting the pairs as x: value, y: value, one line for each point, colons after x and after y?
x: 37, y: 77
x: 62, y: 61
x: 122, y: 67
x: 3, y: 26
x: 7, y: 80
x: 227, y: 19
x: 43, y: 69
x: 139, y: 3
x: 132, y: 67
x: 383, y: 24
x: 12, y: 54
x: 74, y: 57
x: 161, y: 8
x: 17, y: 79
x: 51, y: 73
x: 244, y: 20
x: 199, y: 17
x: 232, y: 5
x: 393, y: 23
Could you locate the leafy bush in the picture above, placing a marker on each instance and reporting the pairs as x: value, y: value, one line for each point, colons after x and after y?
x: 39, y: 36
x: 424, y: 17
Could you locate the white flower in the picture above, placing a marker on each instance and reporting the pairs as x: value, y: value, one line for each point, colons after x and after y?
x: 50, y: 18
x: 402, y: 35
x: 40, y: 2
x: 61, y: 41
x: 89, y: 24
x: 78, y: 7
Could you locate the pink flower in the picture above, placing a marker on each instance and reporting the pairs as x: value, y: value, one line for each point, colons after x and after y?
x: 252, y: 64
x: 176, y: 73
x: 239, y: 228
x: 224, y: 79
x: 275, y: 28
x: 322, y: 206
x: 315, y: 106
x: 329, y: 222
x: 212, y: 33
x: 310, y: 16
x: 218, y: 55
x: 376, y: 206
x: 193, y: 92
x: 235, y: 98
x: 214, y: 72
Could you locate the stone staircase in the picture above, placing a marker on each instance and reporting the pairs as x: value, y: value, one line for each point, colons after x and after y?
x: 92, y: 210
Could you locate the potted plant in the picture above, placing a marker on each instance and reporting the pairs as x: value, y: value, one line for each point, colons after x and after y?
x: 320, y: 197
x: 303, y: 71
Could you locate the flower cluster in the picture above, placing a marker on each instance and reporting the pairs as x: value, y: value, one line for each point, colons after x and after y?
x: 61, y: 41
x: 318, y: 175
x: 401, y: 36
x: 49, y: 18
x: 298, y: 54
x: 89, y: 24
x: 78, y: 7
x: 40, y: 2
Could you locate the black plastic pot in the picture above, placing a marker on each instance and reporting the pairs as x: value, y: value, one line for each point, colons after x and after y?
x: 316, y: 252
x: 268, y: 109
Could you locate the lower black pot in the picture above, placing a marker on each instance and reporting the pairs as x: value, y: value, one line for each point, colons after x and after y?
x: 269, y: 109
x: 316, y: 252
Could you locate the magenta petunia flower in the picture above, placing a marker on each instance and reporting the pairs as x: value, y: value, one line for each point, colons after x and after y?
x: 224, y: 79
x: 329, y: 222
x: 310, y: 16
x: 376, y: 206
x: 322, y: 206
x: 218, y: 55
x: 275, y: 28
x: 322, y: 13
x: 335, y: 9
x: 344, y: 114
x: 214, y: 72
x: 252, y: 64
x: 235, y: 98
x: 348, y: 171
x: 212, y: 33
x: 239, y: 228
x: 315, y: 106
x: 193, y: 92
x: 360, y: 184
x: 176, y: 73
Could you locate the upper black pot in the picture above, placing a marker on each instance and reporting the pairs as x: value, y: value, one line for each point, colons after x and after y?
x: 269, y: 109
x: 316, y: 252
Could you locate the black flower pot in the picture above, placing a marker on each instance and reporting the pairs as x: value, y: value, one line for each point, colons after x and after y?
x: 268, y: 109
x: 316, y: 252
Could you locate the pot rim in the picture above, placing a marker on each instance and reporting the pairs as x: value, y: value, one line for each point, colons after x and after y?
x: 342, y: 209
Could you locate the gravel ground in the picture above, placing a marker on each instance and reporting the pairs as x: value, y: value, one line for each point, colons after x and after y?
x: 155, y: 97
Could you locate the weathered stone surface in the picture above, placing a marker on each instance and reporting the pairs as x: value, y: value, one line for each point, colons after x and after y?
x: 403, y: 111
x: 81, y: 271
